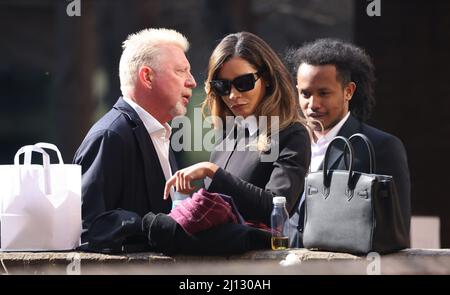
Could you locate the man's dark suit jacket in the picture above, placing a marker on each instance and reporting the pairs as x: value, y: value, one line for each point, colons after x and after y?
x: 253, y: 183
x: 390, y: 160
x: 122, y: 178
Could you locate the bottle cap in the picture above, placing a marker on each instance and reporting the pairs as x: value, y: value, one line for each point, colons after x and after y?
x: 279, y: 200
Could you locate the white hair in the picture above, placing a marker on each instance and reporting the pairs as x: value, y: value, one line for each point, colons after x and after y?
x: 142, y: 48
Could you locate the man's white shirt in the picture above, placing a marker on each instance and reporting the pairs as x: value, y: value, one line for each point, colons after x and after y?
x: 319, y: 148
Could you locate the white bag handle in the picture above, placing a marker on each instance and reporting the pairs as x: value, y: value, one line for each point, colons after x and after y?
x: 52, y: 147
x: 28, y: 150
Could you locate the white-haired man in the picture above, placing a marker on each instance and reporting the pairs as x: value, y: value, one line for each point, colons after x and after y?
x: 126, y: 156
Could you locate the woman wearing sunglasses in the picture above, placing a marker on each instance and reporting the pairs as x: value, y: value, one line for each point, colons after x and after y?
x: 247, y: 79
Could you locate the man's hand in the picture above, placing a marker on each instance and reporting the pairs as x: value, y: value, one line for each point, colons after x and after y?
x: 182, y: 178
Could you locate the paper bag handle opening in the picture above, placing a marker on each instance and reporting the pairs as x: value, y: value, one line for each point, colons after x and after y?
x: 27, y: 151
x: 52, y: 147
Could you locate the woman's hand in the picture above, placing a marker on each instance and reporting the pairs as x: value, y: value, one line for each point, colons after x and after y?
x: 182, y: 178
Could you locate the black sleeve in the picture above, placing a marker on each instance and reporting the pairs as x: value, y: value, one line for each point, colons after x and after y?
x: 101, y: 158
x: 165, y: 235
x: 392, y: 160
x: 287, y: 178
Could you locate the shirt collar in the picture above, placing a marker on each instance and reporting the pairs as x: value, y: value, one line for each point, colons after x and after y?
x: 151, y: 124
x: 333, y: 131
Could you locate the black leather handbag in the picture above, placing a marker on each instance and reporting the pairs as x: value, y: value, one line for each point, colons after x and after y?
x: 351, y: 211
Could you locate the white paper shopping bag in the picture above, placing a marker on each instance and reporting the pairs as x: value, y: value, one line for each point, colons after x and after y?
x: 40, y: 204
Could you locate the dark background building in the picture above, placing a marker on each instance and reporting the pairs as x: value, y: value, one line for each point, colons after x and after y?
x: 59, y: 73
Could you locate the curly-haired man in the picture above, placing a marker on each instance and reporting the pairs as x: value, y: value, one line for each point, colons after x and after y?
x: 335, y: 82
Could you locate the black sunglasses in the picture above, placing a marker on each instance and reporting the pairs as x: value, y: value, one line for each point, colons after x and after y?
x: 242, y: 83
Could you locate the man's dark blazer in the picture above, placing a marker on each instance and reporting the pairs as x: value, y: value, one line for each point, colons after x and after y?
x: 120, y: 170
x: 253, y: 183
x: 391, y: 159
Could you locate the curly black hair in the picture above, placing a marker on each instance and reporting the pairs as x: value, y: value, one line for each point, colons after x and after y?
x: 352, y: 64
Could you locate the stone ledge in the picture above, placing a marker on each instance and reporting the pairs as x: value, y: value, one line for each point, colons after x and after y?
x: 302, y: 254
x: 291, y: 261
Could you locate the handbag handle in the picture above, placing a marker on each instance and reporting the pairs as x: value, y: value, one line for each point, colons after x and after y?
x: 326, y: 180
x: 370, y: 149
x: 52, y: 147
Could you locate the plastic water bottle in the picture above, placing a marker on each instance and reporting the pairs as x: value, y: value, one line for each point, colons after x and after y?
x: 178, y: 198
x: 280, y: 224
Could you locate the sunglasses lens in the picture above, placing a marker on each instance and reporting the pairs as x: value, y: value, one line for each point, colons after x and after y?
x: 244, y: 83
x: 221, y: 87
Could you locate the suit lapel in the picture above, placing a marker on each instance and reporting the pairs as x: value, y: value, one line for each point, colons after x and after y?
x: 147, y: 149
x: 350, y: 127
x: 336, y: 153
x: 151, y: 161
x: 228, y: 145
x: 172, y: 161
